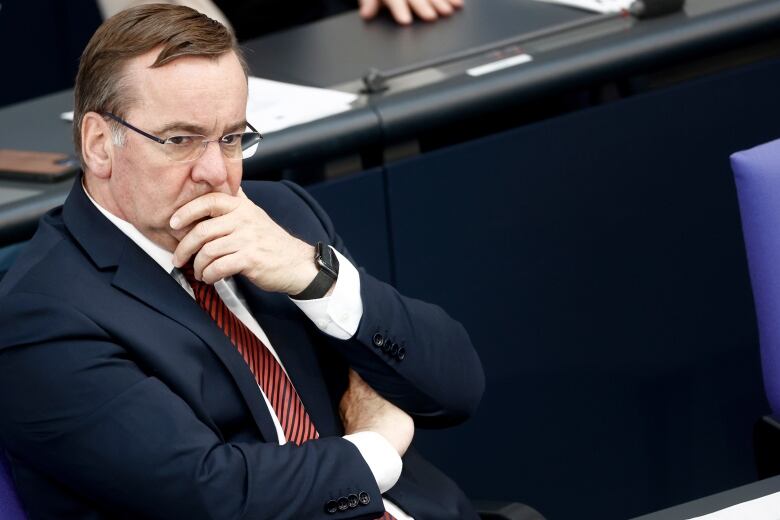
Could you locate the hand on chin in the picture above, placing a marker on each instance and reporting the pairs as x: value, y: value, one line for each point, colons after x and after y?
x: 179, y: 234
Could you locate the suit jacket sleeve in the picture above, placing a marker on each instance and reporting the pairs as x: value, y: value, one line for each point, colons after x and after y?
x: 77, y: 409
x: 438, y: 377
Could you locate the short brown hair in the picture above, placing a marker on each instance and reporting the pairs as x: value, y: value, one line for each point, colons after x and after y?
x: 177, y: 30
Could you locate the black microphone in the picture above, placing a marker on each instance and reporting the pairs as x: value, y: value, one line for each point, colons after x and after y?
x: 653, y: 8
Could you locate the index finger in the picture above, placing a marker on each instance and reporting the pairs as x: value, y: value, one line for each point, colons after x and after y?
x: 208, y: 205
x: 400, y: 11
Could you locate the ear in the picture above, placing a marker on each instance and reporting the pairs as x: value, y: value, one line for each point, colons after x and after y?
x: 96, y: 144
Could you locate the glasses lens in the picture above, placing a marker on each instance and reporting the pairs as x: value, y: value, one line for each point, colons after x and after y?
x: 184, y: 147
x: 249, y: 143
x: 187, y: 148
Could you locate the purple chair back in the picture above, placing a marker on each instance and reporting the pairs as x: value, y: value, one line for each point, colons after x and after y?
x: 10, y: 507
x: 757, y: 175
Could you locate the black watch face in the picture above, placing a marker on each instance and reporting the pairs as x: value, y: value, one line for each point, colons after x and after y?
x: 327, y: 260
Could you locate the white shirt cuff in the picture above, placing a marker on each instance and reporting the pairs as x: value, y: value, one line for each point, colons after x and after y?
x: 382, y: 459
x: 338, y: 314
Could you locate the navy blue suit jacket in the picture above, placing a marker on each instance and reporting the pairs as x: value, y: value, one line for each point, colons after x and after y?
x: 121, y: 398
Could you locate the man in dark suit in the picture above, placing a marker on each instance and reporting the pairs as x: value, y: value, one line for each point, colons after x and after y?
x: 176, y: 344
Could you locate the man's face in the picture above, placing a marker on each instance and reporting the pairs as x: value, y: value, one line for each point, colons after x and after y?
x: 190, y: 95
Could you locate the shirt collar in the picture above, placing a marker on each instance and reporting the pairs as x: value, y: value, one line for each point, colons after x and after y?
x: 161, y: 256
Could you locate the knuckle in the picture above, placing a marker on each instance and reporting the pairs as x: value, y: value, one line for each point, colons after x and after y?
x: 196, y: 236
x: 209, y: 204
x: 217, y: 269
x: 207, y: 251
x: 215, y: 203
x: 202, y: 230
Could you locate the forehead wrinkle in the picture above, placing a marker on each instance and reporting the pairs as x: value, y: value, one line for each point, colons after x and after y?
x: 168, y: 95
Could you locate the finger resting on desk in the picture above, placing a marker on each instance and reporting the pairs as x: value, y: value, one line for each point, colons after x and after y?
x: 400, y: 11
x: 443, y: 7
x: 424, y: 9
x: 369, y: 8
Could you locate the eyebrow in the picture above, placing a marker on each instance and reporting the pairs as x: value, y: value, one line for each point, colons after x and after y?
x: 195, y: 129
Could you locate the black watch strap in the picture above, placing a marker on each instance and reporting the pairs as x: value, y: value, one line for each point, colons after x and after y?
x: 328, y: 265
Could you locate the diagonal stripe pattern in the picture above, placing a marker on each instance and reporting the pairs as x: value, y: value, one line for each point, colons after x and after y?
x: 295, y: 421
x: 278, y: 388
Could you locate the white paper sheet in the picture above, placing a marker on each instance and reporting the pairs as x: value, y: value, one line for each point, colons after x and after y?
x: 599, y: 6
x: 274, y: 105
x: 764, y: 508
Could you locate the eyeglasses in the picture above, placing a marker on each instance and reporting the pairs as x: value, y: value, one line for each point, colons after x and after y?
x: 186, y: 148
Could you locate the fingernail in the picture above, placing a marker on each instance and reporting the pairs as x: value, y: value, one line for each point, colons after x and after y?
x: 174, y: 222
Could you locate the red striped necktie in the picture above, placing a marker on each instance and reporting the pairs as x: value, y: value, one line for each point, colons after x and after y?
x: 278, y: 388
x: 296, y: 423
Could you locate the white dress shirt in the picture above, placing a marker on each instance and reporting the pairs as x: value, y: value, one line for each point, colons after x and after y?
x: 337, y: 315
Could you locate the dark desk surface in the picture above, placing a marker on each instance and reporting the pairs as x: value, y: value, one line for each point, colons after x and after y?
x: 617, y: 48
x: 436, y: 98
x: 716, y: 502
x: 33, y: 124
x: 320, y: 48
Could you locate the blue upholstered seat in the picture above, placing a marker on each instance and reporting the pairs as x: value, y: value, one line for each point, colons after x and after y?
x: 757, y: 175
x: 10, y: 506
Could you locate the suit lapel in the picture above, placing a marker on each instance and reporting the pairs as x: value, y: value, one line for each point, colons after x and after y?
x: 138, y: 275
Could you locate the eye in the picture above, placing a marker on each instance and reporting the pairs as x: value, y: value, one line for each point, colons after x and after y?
x: 231, y: 139
x: 180, y: 140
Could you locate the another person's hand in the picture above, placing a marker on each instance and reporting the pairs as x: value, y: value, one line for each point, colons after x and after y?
x: 227, y: 235
x: 428, y: 10
x: 362, y: 409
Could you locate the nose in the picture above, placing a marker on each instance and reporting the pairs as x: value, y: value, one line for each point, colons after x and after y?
x: 211, y: 166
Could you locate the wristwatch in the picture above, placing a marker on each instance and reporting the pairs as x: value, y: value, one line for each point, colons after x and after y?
x: 328, y: 265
